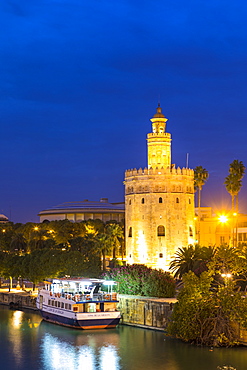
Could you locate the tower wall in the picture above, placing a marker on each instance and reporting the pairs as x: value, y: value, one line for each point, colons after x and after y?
x: 159, y: 203
x: 159, y: 209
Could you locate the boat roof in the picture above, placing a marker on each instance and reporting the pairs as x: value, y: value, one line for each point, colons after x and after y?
x: 76, y: 280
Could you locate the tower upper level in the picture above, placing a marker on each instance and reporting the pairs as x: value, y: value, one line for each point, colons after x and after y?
x: 159, y: 142
x: 159, y: 121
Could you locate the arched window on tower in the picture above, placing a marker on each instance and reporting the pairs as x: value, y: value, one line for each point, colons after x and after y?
x: 130, y: 202
x: 177, y: 200
x: 160, y: 200
x: 190, y: 231
x: 161, y: 230
x: 143, y: 200
x: 130, y: 232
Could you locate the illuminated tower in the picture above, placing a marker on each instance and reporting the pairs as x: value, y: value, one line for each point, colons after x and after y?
x: 159, y: 203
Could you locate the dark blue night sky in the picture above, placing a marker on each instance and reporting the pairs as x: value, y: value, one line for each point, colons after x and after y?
x: 81, y: 79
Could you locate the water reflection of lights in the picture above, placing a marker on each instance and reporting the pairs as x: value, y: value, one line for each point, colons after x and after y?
x: 59, y: 354
x: 108, y: 358
x: 17, y: 318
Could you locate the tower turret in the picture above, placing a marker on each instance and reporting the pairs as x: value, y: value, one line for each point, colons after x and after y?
x: 159, y: 142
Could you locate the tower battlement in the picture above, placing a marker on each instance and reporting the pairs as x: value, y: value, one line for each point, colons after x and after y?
x: 159, y: 171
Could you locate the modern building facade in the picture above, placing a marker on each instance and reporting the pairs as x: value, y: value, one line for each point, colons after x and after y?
x: 84, y: 210
x: 219, y: 228
x: 159, y: 203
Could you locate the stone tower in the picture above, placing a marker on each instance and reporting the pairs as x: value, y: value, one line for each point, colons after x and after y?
x: 159, y: 203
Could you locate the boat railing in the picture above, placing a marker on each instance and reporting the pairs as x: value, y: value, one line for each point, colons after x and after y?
x: 100, y: 296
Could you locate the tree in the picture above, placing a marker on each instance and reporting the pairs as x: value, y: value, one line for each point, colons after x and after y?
x: 205, y: 316
x: 105, y: 246
x: 18, y: 243
x: 233, y: 181
x: 191, y: 258
x: 115, y: 233
x: 200, y: 177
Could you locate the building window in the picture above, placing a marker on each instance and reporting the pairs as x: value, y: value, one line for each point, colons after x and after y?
x: 130, y: 232
x: 130, y: 202
x: 161, y: 230
x: 177, y: 200
x: 160, y: 200
x: 161, y: 255
x: 189, y: 201
x: 191, y: 231
x: 143, y: 200
x: 222, y: 240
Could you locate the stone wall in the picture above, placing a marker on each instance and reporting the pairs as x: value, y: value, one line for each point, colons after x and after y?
x: 18, y: 300
x: 153, y: 313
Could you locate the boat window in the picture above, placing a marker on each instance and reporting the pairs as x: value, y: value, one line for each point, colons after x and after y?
x: 62, y: 304
x: 69, y: 306
x: 75, y: 309
x: 58, y: 304
x: 66, y: 306
x: 52, y: 303
x: 55, y: 303
x: 49, y: 302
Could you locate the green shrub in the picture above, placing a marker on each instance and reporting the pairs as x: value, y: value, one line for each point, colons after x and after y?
x: 141, y: 280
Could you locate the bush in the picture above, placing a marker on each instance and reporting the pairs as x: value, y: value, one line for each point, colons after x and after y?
x: 141, y: 280
x: 206, y: 316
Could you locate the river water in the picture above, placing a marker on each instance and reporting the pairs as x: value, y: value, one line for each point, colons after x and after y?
x: 28, y: 343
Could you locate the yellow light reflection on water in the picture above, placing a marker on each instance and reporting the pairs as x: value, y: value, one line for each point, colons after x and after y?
x: 62, y: 355
x: 17, y: 318
x: 59, y: 354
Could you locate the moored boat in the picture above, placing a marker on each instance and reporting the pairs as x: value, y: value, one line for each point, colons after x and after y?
x: 79, y: 303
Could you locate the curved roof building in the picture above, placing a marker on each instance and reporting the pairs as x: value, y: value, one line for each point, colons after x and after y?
x: 84, y: 210
x: 3, y: 219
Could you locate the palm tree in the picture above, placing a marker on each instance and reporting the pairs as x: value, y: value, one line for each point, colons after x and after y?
x: 200, y: 177
x: 233, y: 181
x: 191, y: 258
x: 233, y: 187
x: 115, y: 232
x: 184, y: 260
x: 18, y: 243
x: 105, y: 246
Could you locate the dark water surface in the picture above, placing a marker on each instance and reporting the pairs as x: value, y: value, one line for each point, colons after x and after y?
x: 27, y: 342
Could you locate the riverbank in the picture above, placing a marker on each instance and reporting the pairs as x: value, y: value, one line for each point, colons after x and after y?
x: 18, y: 298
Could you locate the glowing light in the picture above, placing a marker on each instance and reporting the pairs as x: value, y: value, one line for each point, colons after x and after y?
x: 223, y: 218
x: 226, y: 275
x: 36, y: 228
